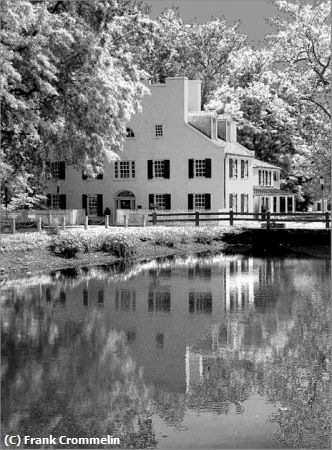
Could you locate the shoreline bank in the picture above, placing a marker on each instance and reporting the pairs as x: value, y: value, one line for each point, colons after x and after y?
x: 27, y: 257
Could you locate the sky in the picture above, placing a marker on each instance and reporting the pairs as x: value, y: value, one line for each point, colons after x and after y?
x: 252, y: 13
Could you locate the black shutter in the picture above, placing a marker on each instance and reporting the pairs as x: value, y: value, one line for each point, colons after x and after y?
x: 190, y: 168
x: 166, y: 168
x: 207, y: 201
x: 208, y: 168
x: 100, y: 204
x: 151, y: 200
x: 100, y: 176
x: 230, y: 168
x: 62, y: 170
x: 84, y: 175
x: 150, y: 173
x: 62, y: 201
x: 242, y: 168
x: 167, y: 201
x: 190, y: 201
x: 85, y: 203
x: 49, y: 200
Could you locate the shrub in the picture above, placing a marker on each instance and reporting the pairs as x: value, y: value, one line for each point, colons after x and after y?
x: 67, y: 245
x: 203, y: 237
x: 54, y: 229
x: 120, y: 246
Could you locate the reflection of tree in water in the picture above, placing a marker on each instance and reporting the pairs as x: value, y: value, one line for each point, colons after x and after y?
x: 227, y: 381
x: 291, y: 370
x: 298, y: 377
x: 84, y: 384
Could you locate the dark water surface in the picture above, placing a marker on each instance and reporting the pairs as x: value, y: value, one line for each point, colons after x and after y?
x: 216, y: 352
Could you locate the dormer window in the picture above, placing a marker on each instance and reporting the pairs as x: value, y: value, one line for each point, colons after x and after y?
x: 129, y: 133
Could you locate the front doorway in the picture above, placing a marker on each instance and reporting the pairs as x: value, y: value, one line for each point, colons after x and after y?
x: 125, y: 200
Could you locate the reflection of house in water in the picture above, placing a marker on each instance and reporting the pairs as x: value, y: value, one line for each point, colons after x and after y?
x: 173, y: 317
x: 239, y: 284
x: 159, y: 312
x: 254, y: 324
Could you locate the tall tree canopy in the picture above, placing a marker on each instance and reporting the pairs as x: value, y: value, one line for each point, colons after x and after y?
x: 68, y: 87
x: 280, y: 93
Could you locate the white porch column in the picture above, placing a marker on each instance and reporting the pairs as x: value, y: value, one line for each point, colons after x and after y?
x: 278, y: 204
x: 286, y: 204
x: 293, y: 204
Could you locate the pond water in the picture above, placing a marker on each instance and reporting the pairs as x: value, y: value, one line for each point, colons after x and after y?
x: 207, y: 352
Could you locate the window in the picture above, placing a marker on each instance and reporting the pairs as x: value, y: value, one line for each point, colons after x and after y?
x: 199, y: 201
x: 57, y: 201
x: 265, y: 177
x: 57, y: 170
x: 124, y: 169
x: 244, y: 202
x: 85, y: 297
x: 200, y: 302
x: 125, y: 299
x: 129, y: 133
x: 244, y: 169
x: 100, y: 297
x: 93, y: 204
x: 158, y: 168
x: 199, y: 168
x: 233, y: 168
x: 158, y: 130
x: 160, y: 340
x: 159, y: 301
x: 160, y: 201
x: 233, y: 202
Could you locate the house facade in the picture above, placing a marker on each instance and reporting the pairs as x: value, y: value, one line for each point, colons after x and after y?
x: 175, y: 157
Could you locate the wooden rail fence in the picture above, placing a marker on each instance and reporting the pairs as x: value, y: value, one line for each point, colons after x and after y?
x: 268, y: 219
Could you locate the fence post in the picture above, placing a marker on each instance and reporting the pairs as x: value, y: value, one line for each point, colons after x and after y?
x: 13, y: 225
x: 327, y: 220
x: 125, y: 221
x: 143, y: 220
x: 107, y: 221
x: 63, y: 222
x: 197, y: 218
x: 86, y: 222
x: 268, y: 220
x: 231, y: 217
x: 39, y: 224
x: 154, y: 218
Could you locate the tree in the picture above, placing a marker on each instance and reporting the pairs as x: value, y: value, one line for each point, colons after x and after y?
x: 196, y: 50
x: 68, y: 89
x: 279, y: 94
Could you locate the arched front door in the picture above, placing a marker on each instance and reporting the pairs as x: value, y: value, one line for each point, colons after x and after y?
x: 125, y: 200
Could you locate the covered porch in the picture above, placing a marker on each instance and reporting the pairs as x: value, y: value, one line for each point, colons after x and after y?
x: 273, y: 200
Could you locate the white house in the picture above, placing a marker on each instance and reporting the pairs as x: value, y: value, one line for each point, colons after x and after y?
x: 175, y: 157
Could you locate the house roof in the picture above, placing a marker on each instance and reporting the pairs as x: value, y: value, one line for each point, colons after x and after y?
x: 261, y: 190
x: 258, y: 163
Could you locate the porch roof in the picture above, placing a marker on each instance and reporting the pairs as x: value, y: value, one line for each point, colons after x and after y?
x: 258, y: 163
x: 261, y: 190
